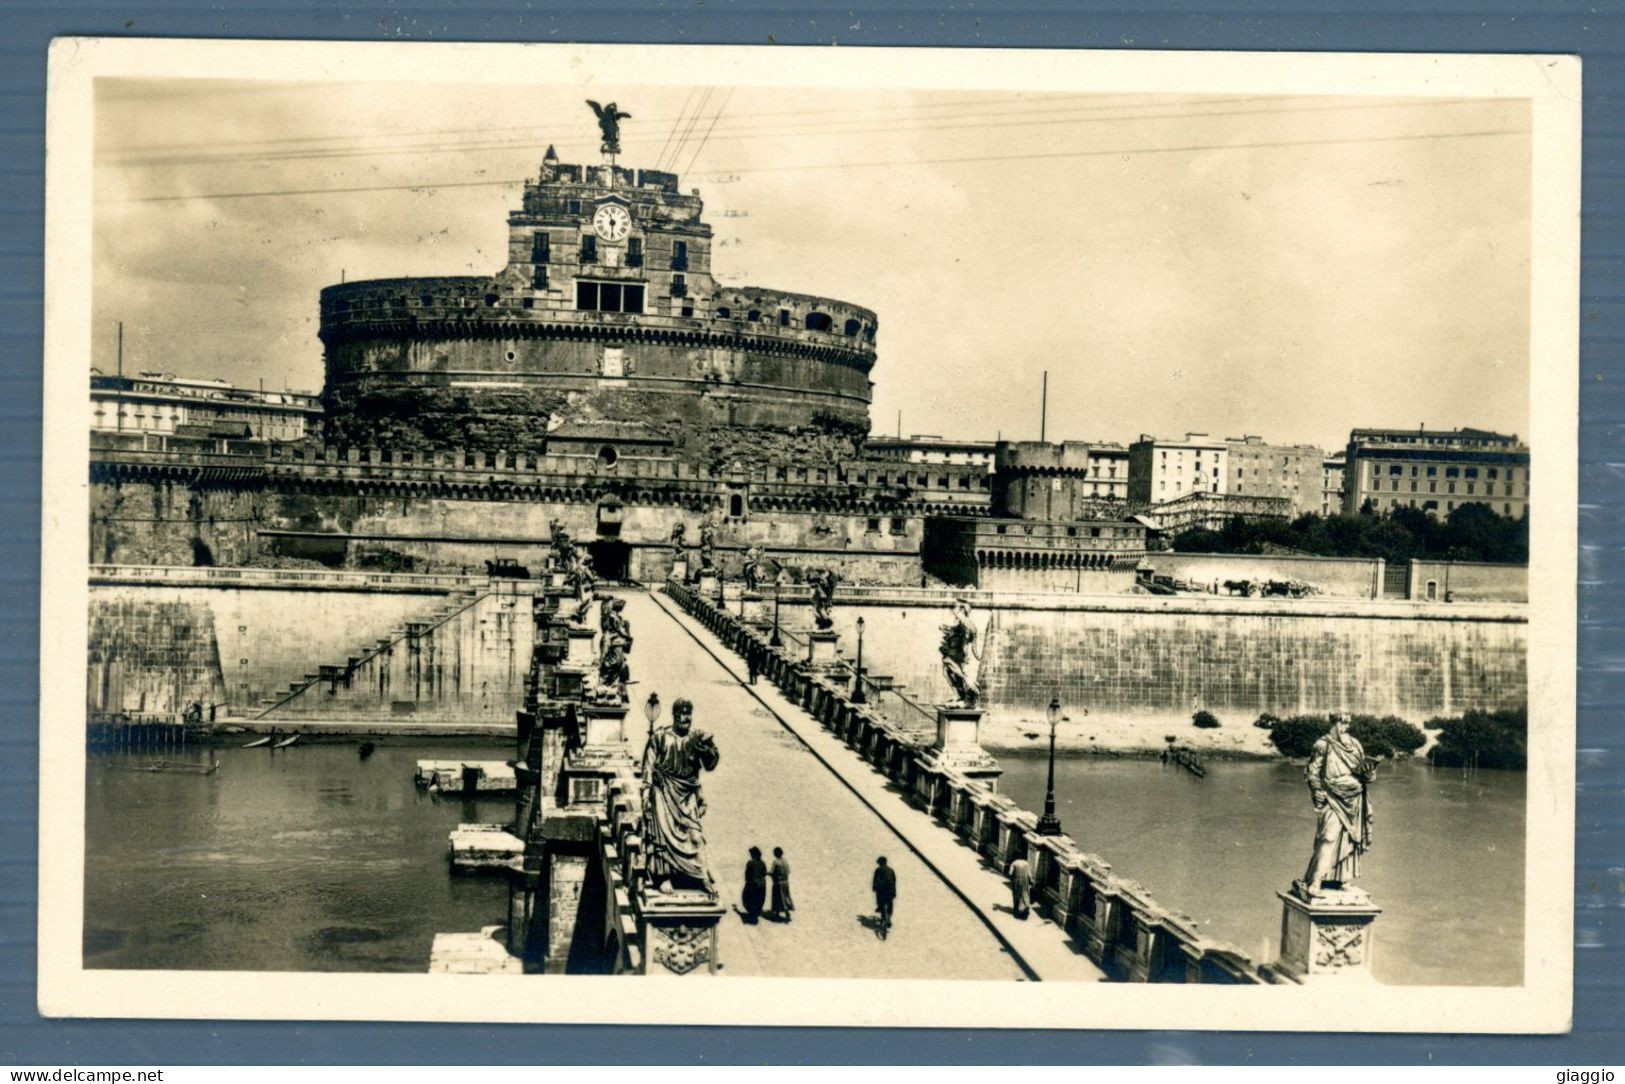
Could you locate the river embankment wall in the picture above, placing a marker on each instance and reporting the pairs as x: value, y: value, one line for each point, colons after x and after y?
x: 1143, y: 665
x: 160, y: 639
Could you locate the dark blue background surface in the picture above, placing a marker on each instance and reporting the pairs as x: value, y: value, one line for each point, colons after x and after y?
x: 1593, y: 30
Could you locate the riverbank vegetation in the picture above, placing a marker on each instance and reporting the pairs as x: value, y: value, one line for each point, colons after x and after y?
x: 1482, y: 739
x: 1383, y: 736
x: 1475, y: 739
x: 1472, y: 532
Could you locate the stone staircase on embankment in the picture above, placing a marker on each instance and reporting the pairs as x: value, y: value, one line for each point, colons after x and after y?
x: 460, y: 663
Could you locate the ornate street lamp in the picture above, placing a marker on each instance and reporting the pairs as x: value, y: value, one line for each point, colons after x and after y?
x: 651, y: 711
x: 1049, y: 824
x: 774, y: 641
x: 858, y: 696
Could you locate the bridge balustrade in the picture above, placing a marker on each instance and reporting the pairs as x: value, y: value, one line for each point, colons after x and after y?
x: 1118, y: 925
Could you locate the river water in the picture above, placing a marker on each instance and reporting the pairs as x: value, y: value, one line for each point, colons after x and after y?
x: 310, y: 859
x: 303, y: 859
x: 1446, y: 862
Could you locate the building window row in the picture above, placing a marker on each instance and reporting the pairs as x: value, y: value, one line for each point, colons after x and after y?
x: 594, y: 296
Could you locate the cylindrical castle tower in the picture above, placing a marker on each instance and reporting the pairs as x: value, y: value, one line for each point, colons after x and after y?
x: 605, y: 312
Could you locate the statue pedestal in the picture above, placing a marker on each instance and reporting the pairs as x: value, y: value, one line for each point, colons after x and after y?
x: 708, y: 584
x: 555, y: 578
x: 679, y: 932
x: 1326, y: 937
x: 579, y: 652
x: 603, y: 726
x: 603, y: 752
x: 566, y: 683
x: 821, y: 650
x: 679, y: 569
x: 959, y: 745
x: 753, y: 609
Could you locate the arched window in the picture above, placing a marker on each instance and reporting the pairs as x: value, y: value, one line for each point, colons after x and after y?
x: 854, y: 326
x: 818, y: 321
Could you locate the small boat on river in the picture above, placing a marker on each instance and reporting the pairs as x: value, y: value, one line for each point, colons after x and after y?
x: 1188, y: 759
x: 170, y: 766
x: 258, y: 743
x: 291, y: 739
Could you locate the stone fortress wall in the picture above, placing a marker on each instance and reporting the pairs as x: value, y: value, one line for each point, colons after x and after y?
x: 450, y: 511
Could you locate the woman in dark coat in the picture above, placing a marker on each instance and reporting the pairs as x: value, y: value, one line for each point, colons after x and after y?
x: 782, y: 903
x: 755, y: 893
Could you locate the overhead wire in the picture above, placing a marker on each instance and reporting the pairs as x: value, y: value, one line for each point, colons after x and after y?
x: 673, y: 131
x: 913, y: 107
x: 901, y: 163
x: 695, y: 156
x: 745, y: 133
x: 682, y: 140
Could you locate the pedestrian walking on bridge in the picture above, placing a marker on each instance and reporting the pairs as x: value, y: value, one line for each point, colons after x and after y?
x: 783, y: 904
x: 884, y: 884
x: 755, y: 886
x: 1021, y: 886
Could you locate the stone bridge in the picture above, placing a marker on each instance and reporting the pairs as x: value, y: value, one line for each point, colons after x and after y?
x: 834, y: 783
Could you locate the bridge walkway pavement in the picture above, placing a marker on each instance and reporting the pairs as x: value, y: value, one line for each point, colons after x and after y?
x: 784, y: 781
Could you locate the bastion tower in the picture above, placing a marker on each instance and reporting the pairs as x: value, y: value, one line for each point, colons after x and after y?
x: 606, y: 317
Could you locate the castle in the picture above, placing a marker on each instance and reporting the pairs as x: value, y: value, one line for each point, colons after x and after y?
x: 602, y: 378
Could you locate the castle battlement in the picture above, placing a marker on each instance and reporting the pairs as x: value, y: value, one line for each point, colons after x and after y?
x: 857, y: 487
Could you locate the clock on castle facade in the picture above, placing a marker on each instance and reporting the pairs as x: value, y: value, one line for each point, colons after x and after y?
x: 612, y: 222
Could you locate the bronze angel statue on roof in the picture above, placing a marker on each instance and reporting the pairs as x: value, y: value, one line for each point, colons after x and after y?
x: 609, y: 123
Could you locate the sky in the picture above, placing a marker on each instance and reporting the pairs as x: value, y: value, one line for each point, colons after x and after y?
x: 1290, y: 267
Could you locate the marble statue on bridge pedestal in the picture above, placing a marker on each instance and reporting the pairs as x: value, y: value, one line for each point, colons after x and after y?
x: 614, y: 674
x: 707, y: 547
x: 752, y: 570
x: 674, y: 804
x: 582, y: 582
x: 823, y: 598
x: 960, y: 654
x: 1327, y: 920
x: 1339, y: 774
x: 563, y: 550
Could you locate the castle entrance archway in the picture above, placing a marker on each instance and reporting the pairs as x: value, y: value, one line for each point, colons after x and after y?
x: 611, y: 559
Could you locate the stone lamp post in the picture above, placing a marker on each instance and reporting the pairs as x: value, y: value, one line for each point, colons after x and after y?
x: 774, y: 640
x: 651, y: 710
x: 858, y: 695
x: 1049, y: 824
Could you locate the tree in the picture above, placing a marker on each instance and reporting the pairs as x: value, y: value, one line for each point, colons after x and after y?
x: 1386, y: 736
x: 1483, y: 739
x: 1199, y: 540
x: 1473, y: 532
